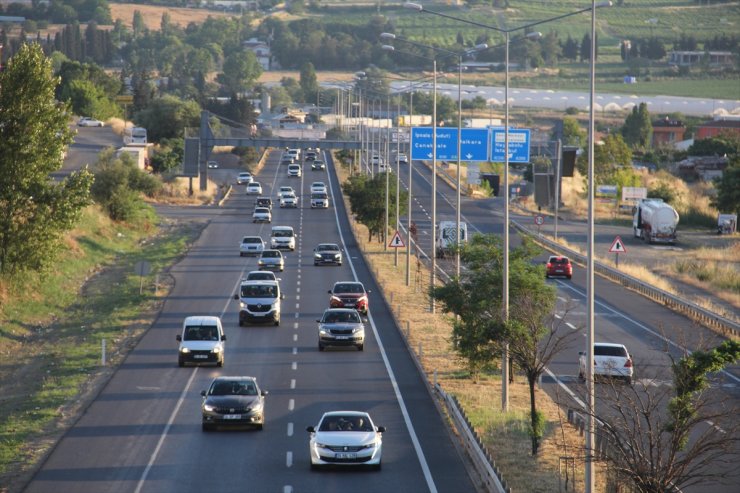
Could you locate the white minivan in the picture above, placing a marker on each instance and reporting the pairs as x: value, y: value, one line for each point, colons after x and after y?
x: 201, y: 341
x: 282, y: 237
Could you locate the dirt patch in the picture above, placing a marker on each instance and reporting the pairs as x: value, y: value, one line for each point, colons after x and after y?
x: 179, y: 16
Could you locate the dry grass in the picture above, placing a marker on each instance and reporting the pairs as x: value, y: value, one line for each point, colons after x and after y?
x: 505, y: 434
x: 152, y: 15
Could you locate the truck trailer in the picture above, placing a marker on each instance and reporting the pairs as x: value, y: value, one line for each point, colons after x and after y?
x: 655, y: 221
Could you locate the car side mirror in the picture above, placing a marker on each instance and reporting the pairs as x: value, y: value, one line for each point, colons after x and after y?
x: 263, y: 393
x: 236, y: 296
x: 223, y: 337
x: 381, y: 429
x: 318, y: 320
x: 178, y: 337
x: 368, y: 291
x: 282, y: 296
x: 310, y: 429
x: 329, y: 291
x: 581, y: 353
x: 203, y: 393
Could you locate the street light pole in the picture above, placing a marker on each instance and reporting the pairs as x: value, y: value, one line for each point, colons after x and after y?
x: 433, y: 251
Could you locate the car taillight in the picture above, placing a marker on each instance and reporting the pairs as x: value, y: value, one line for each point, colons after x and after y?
x: 628, y: 363
x: 549, y: 265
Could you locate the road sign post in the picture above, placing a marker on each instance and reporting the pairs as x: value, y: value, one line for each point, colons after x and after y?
x: 617, y: 248
x: 397, y: 241
x: 473, y: 144
x: 539, y: 220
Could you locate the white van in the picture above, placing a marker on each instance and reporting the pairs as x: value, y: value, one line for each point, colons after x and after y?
x: 201, y: 341
x: 294, y: 170
x: 259, y: 302
x: 282, y: 237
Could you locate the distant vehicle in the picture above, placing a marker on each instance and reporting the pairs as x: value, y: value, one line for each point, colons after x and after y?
x: 282, y: 237
x: 318, y: 165
x: 87, y: 121
x: 285, y: 188
x: 294, y: 153
x: 402, y: 159
x: 251, y: 245
x: 726, y: 224
x: 134, y: 135
x: 263, y: 202
x: 318, y: 186
x: 349, y: 294
x: 446, y: 233
x: 288, y: 199
x: 294, y: 170
x: 201, y: 341
x: 610, y: 360
x: 558, y: 266
x: 259, y: 301
x: 244, y: 177
x: 327, y: 253
x: 271, y: 260
x: 310, y: 156
x: 346, y: 438
x: 341, y: 327
x: 384, y: 168
x: 261, y: 215
x: 376, y: 159
x: 261, y: 275
x: 212, y: 164
x: 655, y: 221
x: 233, y: 401
x: 254, y: 188
x: 319, y: 200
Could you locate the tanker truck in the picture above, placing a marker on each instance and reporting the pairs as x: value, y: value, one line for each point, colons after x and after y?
x: 655, y: 221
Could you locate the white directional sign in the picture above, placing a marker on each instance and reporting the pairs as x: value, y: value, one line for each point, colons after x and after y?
x: 397, y: 241
x: 617, y: 246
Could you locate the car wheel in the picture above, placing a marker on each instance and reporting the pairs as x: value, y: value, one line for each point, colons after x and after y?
x: 315, y: 264
x: 314, y: 467
x: 206, y: 427
x: 180, y: 362
x: 628, y: 380
x: 360, y: 347
x: 277, y: 323
x: 241, y: 324
x: 321, y: 347
x: 220, y: 363
x: 581, y: 378
x: 259, y: 426
x: 377, y: 466
x: 568, y: 277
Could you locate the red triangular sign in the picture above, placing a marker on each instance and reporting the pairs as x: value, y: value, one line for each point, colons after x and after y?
x: 396, y: 241
x: 617, y: 246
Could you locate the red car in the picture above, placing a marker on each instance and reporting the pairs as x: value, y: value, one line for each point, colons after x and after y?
x: 349, y: 294
x: 559, y: 266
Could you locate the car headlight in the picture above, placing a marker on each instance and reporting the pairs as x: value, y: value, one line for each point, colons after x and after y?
x: 320, y: 445
x: 336, y: 299
x: 322, y: 331
x: 357, y: 330
x: 317, y: 255
x: 209, y: 407
x: 257, y: 408
x: 338, y: 256
x: 184, y: 350
x: 242, y: 305
x: 261, y: 262
x: 216, y: 350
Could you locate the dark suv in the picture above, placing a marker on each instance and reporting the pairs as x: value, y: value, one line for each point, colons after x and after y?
x: 263, y: 202
x: 341, y: 327
x: 349, y: 294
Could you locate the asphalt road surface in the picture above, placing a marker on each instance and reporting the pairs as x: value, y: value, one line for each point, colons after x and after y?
x: 143, y: 433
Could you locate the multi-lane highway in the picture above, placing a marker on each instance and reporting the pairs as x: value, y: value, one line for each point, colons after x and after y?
x: 143, y: 433
x: 650, y: 331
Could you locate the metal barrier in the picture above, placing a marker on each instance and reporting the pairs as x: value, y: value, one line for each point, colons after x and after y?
x: 685, y: 307
x: 482, y: 461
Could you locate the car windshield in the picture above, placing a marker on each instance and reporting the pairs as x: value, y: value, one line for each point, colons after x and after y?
x: 201, y: 333
x: 345, y: 423
x: 327, y: 248
x: 319, y: 195
x: 259, y: 291
x: 262, y: 210
x: 271, y: 254
x: 341, y: 317
x: 559, y: 260
x: 252, y: 240
x: 233, y: 388
x: 282, y: 233
x: 348, y: 288
x: 260, y: 276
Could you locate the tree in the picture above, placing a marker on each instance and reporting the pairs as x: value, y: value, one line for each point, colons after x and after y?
x: 573, y: 134
x: 367, y: 201
x: 728, y: 188
x: 479, y: 329
x: 308, y: 82
x: 638, y: 129
x: 721, y: 145
x: 33, y: 135
x: 167, y: 117
x: 610, y: 156
x: 119, y: 184
x: 240, y: 70
x: 658, y: 437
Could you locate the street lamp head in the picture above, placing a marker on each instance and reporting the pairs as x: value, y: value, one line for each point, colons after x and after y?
x: 413, y: 6
x: 388, y: 48
x: 387, y: 36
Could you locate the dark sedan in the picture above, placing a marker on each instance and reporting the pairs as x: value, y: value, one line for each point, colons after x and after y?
x: 233, y: 401
x: 327, y: 253
x: 341, y: 327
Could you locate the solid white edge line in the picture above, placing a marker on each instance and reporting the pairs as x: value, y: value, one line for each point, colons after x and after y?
x: 166, y: 430
x: 391, y: 376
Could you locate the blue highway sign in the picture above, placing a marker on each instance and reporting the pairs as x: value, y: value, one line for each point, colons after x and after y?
x: 474, y: 144
x: 518, y: 145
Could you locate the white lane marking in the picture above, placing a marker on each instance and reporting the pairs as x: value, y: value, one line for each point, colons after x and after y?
x: 298, y: 297
x: 295, y: 325
x: 295, y: 337
x: 287, y: 489
x: 292, y: 383
x: 295, y: 350
x: 401, y: 403
x: 290, y: 429
x: 716, y: 427
x: 291, y: 404
x: 166, y: 430
x: 297, y: 306
x: 557, y: 316
x: 298, y: 290
x: 571, y: 325
x: 294, y: 366
x: 297, y: 314
x: 289, y: 458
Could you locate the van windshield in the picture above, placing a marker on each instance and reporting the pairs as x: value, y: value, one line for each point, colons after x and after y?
x: 282, y: 233
x: 319, y: 195
x: 201, y: 333
x: 259, y: 291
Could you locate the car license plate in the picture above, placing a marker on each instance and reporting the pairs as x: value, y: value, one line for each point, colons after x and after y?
x: 345, y: 455
x: 232, y: 416
x: 201, y: 356
x: 342, y: 337
x: 349, y: 305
